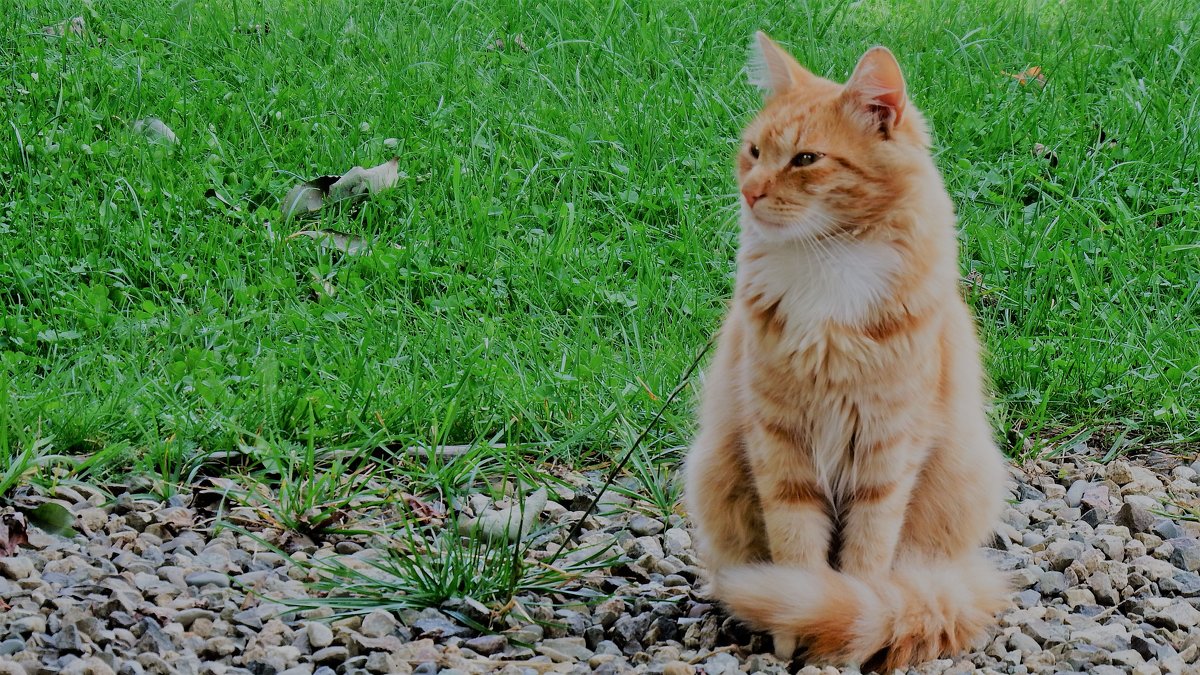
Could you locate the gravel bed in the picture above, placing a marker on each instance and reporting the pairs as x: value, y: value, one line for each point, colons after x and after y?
x: 1106, y: 560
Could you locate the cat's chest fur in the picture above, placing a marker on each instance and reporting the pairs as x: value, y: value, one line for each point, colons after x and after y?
x: 806, y: 296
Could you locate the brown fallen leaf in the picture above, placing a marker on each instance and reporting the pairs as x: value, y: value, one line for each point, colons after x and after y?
x: 346, y: 243
x: 356, y: 184
x: 12, y: 533
x: 425, y: 512
x: 1030, y: 74
x: 1043, y: 152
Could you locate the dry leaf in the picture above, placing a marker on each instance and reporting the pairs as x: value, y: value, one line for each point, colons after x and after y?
x: 1030, y: 74
x: 355, y: 184
x: 512, y: 523
x: 12, y: 533
x: 73, y: 25
x: 1043, y: 152
x: 212, y: 195
x: 155, y: 130
x: 346, y: 243
x: 425, y: 512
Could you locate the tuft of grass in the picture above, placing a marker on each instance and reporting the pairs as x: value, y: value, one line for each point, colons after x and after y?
x: 431, y: 570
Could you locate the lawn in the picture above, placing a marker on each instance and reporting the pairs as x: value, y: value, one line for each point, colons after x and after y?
x: 560, y: 241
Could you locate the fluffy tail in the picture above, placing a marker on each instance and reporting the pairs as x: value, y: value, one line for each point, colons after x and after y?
x: 921, y: 611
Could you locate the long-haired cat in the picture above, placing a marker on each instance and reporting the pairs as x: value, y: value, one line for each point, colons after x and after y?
x: 844, y: 476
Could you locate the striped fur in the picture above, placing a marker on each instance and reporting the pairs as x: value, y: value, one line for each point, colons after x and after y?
x: 844, y: 475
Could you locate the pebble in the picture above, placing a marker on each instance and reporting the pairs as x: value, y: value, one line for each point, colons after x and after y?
x: 16, y: 567
x: 643, y: 526
x: 207, y: 579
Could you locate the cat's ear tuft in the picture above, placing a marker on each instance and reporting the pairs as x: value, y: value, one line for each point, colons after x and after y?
x: 877, y: 89
x: 772, y: 69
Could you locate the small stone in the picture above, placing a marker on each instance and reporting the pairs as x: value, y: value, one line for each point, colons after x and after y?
x: 644, y: 526
x: 319, y: 634
x: 1052, y: 583
x: 1166, y: 529
x: 189, y: 616
x: 1075, y: 493
x: 1023, y: 643
x: 1062, y: 553
x: 1185, y: 554
x: 1103, y: 589
x: 332, y: 654
x: 1118, y: 472
x: 1029, y: 598
x: 722, y: 664
x: 11, y: 646
x: 486, y: 645
x: 678, y: 668
x: 1077, y: 597
x: 209, y: 578
x: 677, y: 541
x: 378, y: 624
x: 564, y: 650
x: 1184, y: 583
x: 1136, y: 518
x: 1047, y: 633
x: 16, y: 567
x: 1172, y: 614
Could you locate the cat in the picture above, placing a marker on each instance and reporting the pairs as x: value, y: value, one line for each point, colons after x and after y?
x: 844, y: 476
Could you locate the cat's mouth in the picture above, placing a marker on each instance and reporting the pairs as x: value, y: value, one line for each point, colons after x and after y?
x: 808, y: 222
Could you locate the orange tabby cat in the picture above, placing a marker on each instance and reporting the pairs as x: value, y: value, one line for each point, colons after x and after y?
x: 844, y: 475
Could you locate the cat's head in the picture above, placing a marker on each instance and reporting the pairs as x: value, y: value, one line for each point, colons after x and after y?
x: 823, y: 158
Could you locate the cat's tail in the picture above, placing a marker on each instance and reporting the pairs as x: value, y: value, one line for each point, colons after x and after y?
x: 920, y: 611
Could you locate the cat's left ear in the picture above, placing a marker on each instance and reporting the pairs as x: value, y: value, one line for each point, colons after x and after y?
x: 876, y: 89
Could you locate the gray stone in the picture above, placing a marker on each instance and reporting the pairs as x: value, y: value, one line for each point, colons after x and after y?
x: 319, y: 634
x: 11, y: 646
x: 565, y: 650
x: 486, y: 645
x: 1136, y: 518
x: 1051, y: 583
x: 1023, y: 643
x: 1110, y: 637
x: 1062, y: 553
x: 1172, y: 614
x: 1047, y: 633
x: 1028, y: 598
x: 644, y: 526
x: 378, y: 624
x: 336, y: 653
x: 433, y: 623
x: 207, y: 578
x: 1166, y: 529
x: 1185, y: 554
x: 1075, y: 493
x: 677, y: 541
x: 1184, y: 583
x: 189, y: 616
x: 16, y: 567
x: 722, y: 664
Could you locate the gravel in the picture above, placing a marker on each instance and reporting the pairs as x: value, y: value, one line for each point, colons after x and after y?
x: 1104, y: 583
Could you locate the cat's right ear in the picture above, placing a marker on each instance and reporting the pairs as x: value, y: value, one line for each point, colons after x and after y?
x: 772, y: 69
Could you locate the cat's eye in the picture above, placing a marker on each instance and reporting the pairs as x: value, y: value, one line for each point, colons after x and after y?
x: 754, y: 152
x: 806, y: 158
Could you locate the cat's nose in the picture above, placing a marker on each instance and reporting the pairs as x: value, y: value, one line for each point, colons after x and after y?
x: 752, y: 194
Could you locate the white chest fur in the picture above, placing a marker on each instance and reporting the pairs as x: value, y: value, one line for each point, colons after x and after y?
x: 819, y: 281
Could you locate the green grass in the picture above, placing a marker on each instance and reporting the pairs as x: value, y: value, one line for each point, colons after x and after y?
x: 565, y: 218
